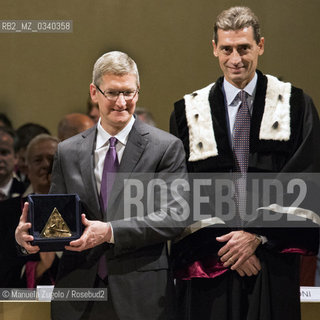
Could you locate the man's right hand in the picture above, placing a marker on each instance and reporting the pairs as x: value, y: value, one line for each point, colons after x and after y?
x: 22, y: 235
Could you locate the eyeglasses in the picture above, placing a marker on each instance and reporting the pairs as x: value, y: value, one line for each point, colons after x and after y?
x: 128, y: 95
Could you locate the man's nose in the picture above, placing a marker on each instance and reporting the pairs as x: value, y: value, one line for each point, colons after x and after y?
x: 46, y: 163
x: 121, y: 100
x: 235, y: 57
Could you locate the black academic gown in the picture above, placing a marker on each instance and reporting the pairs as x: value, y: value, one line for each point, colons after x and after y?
x: 274, y: 293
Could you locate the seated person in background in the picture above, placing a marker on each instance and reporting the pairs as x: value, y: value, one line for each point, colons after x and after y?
x: 93, y: 110
x: 11, y: 190
x: 145, y: 116
x: 72, y: 124
x: 39, y: 159
x: 25, y: 134
x: 10, y: 186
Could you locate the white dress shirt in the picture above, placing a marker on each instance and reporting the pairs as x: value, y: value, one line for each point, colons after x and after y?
x: 6, y: 189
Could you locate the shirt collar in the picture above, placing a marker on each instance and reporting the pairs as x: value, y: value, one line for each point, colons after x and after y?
x: 103, y: 136
x: 6, y: 189
x: 231, y: 91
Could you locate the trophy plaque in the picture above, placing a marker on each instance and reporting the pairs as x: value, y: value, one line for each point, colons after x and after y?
x: 55, y: 227
x: 55, y: 220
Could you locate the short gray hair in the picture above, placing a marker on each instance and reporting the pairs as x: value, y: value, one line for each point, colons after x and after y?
x: 39, y: 138
x: 116, y: 63
x: 237, y: 18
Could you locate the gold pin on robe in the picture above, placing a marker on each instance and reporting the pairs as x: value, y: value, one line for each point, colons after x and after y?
x: 55, y: 227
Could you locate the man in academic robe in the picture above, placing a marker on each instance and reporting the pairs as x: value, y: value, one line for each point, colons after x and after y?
x: 249, y: 270
x: 132, y: 245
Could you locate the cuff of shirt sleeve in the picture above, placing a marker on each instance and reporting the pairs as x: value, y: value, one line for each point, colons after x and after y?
x: 112, y: 236
x: 21, y: 250
x: 263, y: 239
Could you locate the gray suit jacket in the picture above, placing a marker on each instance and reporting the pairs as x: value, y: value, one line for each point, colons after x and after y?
x: 138, y: 268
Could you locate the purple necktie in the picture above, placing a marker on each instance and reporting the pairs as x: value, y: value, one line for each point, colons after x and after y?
x: 241, y: 145
x: 110, y: 168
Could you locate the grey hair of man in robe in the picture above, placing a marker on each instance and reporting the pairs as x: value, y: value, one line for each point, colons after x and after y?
x: 237, y: 18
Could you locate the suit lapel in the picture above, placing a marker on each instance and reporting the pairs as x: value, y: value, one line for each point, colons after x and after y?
x: 86, y: 160
x: 134, y: 149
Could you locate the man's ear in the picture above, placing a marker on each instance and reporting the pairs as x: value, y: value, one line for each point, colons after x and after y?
x: 261, y: 46
x: 215, y: 48
x: 93, y: 93
x: 137, y: 95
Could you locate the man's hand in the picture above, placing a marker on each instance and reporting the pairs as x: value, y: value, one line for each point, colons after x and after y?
x: 22, y: 235
x: 250, y: 267
x: 239, y: 247
x: 95, y: 233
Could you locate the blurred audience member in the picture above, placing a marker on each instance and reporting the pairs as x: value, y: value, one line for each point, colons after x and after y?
x: 40, y: 154
x: 25, y: 134
x: 39, y: 158
x: 72, y: 124
x: 145, y: 116
x: 93, y: 110
x: 10, y: 186
x: 5, y: 121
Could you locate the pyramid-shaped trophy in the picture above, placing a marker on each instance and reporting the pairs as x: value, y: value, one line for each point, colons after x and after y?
x: 55, y: 227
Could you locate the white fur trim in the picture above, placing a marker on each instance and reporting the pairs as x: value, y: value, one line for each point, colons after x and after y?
x: 201, y: 134
x: 275, y: 124
x: 296, y: 211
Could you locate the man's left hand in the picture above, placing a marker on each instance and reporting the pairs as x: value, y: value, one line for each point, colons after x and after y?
x: 95, y: 233
x: 239, y: 247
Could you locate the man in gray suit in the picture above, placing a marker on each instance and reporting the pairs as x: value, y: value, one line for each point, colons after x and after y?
x: 135, y: 249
